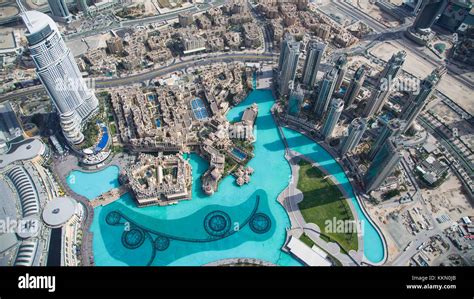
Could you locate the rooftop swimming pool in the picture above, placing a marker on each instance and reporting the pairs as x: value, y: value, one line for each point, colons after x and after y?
x: 236, y: 222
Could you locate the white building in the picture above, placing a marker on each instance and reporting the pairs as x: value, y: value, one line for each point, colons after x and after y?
x: 59, y: 74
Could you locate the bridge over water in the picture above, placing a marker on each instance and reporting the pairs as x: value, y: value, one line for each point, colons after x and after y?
x: 109, y: 196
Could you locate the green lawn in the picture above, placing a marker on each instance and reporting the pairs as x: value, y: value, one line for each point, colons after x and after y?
x: 323, y: 201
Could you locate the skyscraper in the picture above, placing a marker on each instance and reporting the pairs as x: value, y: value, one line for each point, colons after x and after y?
x: 59, y: 10
x: 57, y: 70
x: 373, y: 103
x: 383, y: 164
x: 393, y: 128
x: 295, y: 101
x: 325, y: 91
x: 82, y: 6
x: 314, y: 53
x: 289, y: 55
x: 341, y: 66
x: 392, y: 69
x: 335, y: 110
x: 429, y: 12
x: 415, y: 103
x: 355, y: 86
x: 385, y: 83
x: 356, y: 130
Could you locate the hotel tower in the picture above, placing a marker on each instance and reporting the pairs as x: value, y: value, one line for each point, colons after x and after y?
x: 57, y: 70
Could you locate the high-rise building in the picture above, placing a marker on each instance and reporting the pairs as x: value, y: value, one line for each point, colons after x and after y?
x: 356, y: 130
x: 355, y: 86
x: 295, y: 101
x: 385, y: 83
x: 325, y: 91
x: 392, y: 69
x: 288, y: 62
x: 392, y: 128
x: 314, y: 53
x: 59, y: 10
x: 455, y: 13
x: 374, y: 103
x: 58, y: 71
x: 416, y: 102
x: 335, y: 110
x: 383, y: 164
x: 82, y: 6
x: 341, y: 66
x: 429, y: 12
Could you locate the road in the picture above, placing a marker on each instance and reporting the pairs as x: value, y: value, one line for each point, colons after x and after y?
x: 149, y: 75
x: 400, y: 39
x: 148, y: 20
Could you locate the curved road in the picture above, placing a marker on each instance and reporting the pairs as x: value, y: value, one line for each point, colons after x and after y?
x: 148, y: 75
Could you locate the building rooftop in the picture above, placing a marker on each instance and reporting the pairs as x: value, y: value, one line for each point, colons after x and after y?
x: 23, y: 150
x: 7, y: 39
x: 36, y: 21
x: 306, y: 254
x: 58, y: 211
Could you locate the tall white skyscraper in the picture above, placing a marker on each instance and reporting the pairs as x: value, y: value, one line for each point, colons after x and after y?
x: 325, y: 91
x: 335, y: 110
x: 356, y: 131
x: 314, y: 53
x: 385, y: 84
x: 58, y: 71
x: 417, y: 102
x: 288, y: 62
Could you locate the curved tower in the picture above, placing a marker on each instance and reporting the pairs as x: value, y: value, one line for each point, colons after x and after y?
x: 57, y: 70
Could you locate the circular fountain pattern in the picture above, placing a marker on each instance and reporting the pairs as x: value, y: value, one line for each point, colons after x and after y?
x: 162, y: 243
x: 113, y: 218
x: 260, y: 223
x: 217, y: 223
x: 133, y: 238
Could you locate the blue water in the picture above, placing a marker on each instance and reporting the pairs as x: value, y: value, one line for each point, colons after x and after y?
x: 181, y: 227
x: 373, y: 245
x: 185, y: 220
x: 199, y: 109
x: 239, y: 154
x: 103, y: 141
x: 91, y: 185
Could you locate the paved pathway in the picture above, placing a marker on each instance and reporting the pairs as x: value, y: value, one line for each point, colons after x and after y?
x: 290, y: 197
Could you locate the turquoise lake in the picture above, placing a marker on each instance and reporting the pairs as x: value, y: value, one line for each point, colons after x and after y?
x: 236, y: 222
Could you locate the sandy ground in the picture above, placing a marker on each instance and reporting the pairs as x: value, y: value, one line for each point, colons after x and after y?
x: 395, y: 233
x: 8, y: 11
x: 449, y: 200
x: 375, y: 12
x: 36, y: 3
x: 459, y: 93
x: 78, y: 47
